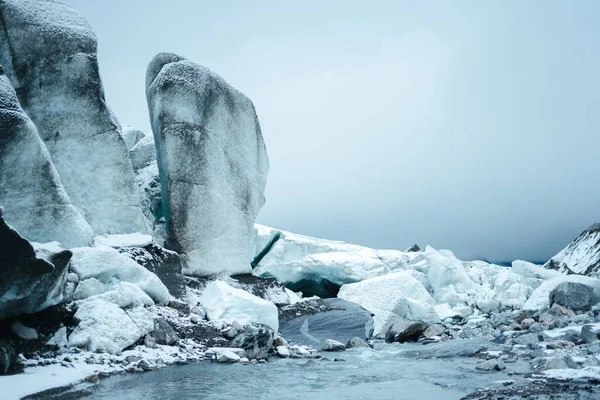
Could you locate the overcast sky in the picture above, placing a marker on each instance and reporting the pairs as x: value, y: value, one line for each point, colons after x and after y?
x: 467, y: 125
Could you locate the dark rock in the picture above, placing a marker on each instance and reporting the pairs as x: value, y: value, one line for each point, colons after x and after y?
x: 180, y: 306
x: 529, y: 339
x: 265, y: 288
x: 561, y: 311
x: 34, y: 283
x: 356, y: 342
x: 164, y: 263
x: 403, y: 332
x: 8, y: 359
x: 144, y: 365
x: 573, y: 295
x: 256, y: 340
x: 413, y: 249
x: 164, y: 333
x: 319, y: 320
x: 590, y: 334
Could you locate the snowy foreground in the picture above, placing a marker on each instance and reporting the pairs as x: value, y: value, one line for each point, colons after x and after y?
x: 128, y: 322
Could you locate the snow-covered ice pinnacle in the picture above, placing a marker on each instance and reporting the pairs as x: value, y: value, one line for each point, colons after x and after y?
x: 212, y: 162
x: 31, y: 192
x: 49, y: 53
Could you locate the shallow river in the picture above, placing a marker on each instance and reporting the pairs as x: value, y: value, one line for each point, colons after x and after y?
x: 366, y: 374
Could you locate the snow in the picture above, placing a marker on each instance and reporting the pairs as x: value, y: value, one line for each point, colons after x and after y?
x: 103, y: 327
x: 583, y: 374
x: 582, y: 256
x: 213, y: 165
x: 540, y: 296
x: 444, y: 311
x: 531, y: 270
x: 385, y: 296
x: 223, y: 302
x: 107, y: 265
x: 59, y: 338
x: 123, y: 240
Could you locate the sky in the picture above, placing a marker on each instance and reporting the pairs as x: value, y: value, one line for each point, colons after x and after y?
x: 467, y: 125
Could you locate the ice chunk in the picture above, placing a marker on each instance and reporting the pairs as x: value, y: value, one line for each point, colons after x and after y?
x: 124, y: 240
x: 131, y: 136
x: 107, y: 265
x: 225, y: 303
x: 212, y: 163
x: 448, y: 277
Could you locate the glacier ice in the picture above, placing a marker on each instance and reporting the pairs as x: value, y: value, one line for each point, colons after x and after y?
x: 131, y: 136
x: 49, y: 53
x: 32, y: 195
x: 223, y: 302
x: 212, y: 163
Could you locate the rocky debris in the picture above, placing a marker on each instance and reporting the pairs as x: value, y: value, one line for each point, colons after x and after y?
x: 28, y: 283
x: 49, y: 53
x: 536, y: 390
x: 8, y: 359
x: 403, y: 332
x: 34, y: 199
x: 257, y: 341
x: 212, y: 162
x: 164, y: 263
x: 527, y: 323
x: 164, y: 333
x: 581, y: 256
x: 590, y: 333
x: 265, y: 288
x: 24, y: 332
x: 573, y: 295
x: 356, y: 342
x: 490, y: 365
x: 332, y: 345
x: 311, y: 322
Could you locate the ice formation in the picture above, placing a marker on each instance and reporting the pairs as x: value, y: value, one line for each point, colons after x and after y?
x: 49, y: 54
x: 212, y: 162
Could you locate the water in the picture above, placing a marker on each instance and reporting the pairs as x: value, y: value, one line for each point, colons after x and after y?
x: 366, y: 374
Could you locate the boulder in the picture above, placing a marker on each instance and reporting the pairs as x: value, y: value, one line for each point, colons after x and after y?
x: 434, y: 330
x: 30, y: 281
x: 34, y: 200
x: 319, y: 320
x: 164, y: 333
x: 8, y: 359
x: 225, y: 303
x: 590, y: 333
x: 24, y: 332
x: 559, y: 362
x: 403, y: 332
x: 49, y: 53
x: 540, y: 297
x: 490, y: 365
x: 573, y: 295
x: 332, y: 345
x: 356, y: 342
x: 256, y: 340
x: 212, y: 162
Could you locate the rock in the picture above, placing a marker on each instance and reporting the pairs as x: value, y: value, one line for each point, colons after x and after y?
x: 560, y: 344
x: 356, y: 342
x: 225, y: 303
x: 8, y: 359
x: 573, y: 295
x: 265, y: 288
x: 165, y: 264
x: 559, y: 310
x: 180, y: 306
x: 490, y: 365
x: 335, y: 319
x: 131, y: 136
x: 164, y: 333
x: 257, y: 341
x: 144, y: 365
x: 212, y: 161
x: 150, y: 342
x: 434, y: 330
x: 103, y: 327
x: 227, y: 356
x: 540, y: 298
x: 582, y: 256
x: 283, y: 351
x: 34, y: 200
x: 526, y: 323
x: 405, y: 332
x: 560, y: 362
x: 413, y: 249
x: 590, y: 333
x: 49, y: 53
x: 23, y: 332
x: 279, y: 341
x: 30, y: 280
x: 199, y: 311
x: 332, y: 345
x: 528, y: 339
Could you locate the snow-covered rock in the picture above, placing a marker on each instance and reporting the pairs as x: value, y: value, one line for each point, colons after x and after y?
x: 391, y: 297
x: 581, y: 256
x: 49, y: 53
x: 212, y: 162
x: 103, y: 327
x: 30, y: 280
x: 32, y: 194
x: 225, y: 303
x: 109, y: 266
x: 540, y: 296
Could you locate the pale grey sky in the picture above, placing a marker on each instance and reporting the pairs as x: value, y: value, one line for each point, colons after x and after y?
x: 467, y: 125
